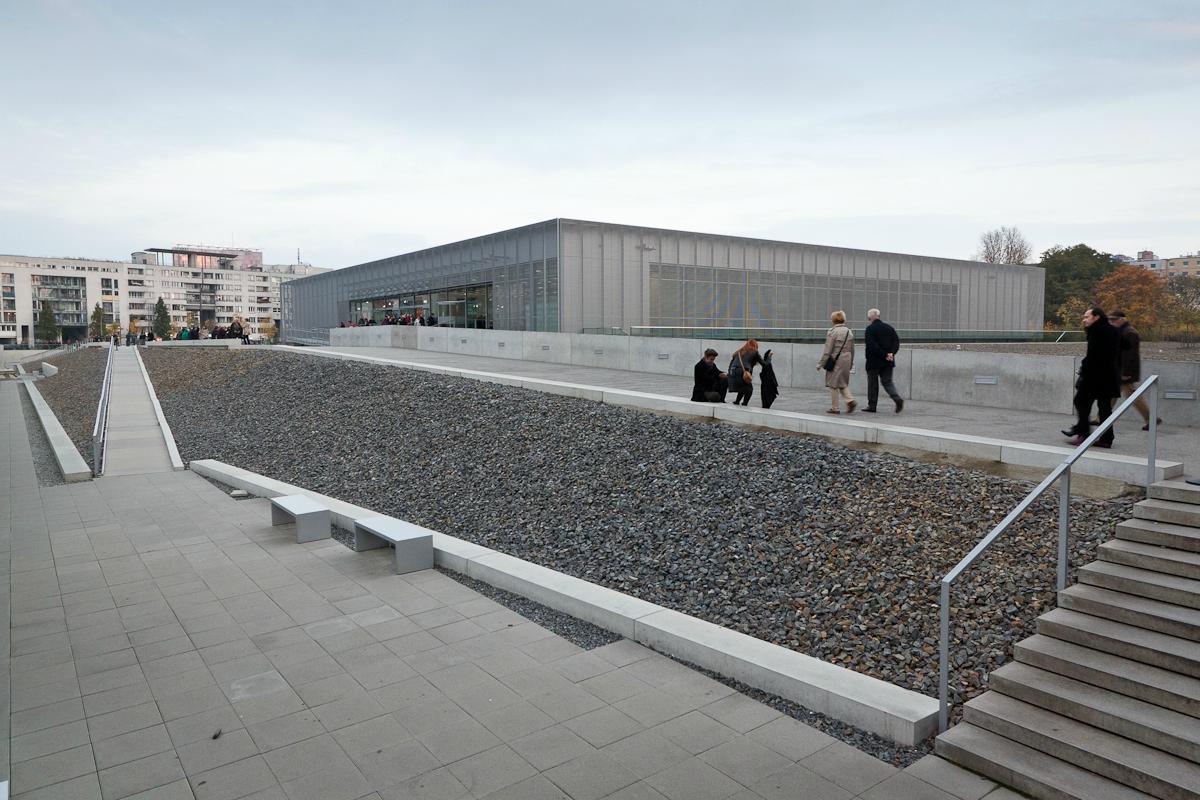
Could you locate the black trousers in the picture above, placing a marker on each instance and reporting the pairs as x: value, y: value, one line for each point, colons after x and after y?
x: 745, y: 392
x: 877, y: 376
x: 1084, y: 397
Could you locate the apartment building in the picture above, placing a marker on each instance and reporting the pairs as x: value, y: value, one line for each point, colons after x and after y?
x: 128, y: 291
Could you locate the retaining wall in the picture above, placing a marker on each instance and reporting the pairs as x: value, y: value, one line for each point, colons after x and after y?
x: 993, y: 380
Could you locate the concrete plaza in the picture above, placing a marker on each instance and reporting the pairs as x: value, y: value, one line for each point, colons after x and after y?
x: 164, y: 641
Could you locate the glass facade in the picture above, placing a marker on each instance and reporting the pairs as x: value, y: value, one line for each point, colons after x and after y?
x: 66, y: 295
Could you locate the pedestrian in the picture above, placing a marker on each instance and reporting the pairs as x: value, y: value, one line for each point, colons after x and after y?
x: 234, y: 331
x: 1099, y: 379
x: 1130, y: 360
x: 882, y: 344
x: 711, y: 384
x: 837, y: 359
x: 741, y: 371
x: 770, y: 384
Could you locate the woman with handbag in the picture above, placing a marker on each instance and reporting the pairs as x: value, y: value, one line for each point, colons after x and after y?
x: 741, y: 371
x: 837, y: 359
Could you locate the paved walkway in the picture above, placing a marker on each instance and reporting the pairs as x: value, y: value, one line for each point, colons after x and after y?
x: 134, y: 444
x: 167, y: 642
x: 1174, y: 443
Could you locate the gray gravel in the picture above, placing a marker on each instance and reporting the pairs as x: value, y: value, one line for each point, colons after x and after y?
x: 830, y: 551
x: 74, y: 392
x: 44, y: 463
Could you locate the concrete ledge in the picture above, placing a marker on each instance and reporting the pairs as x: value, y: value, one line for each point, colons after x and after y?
x: 168, y: 437
x: 49, y: 369
x: 863, y: 701
x: 869, y: 703
x: 850, y: 428
x: 70, y: 463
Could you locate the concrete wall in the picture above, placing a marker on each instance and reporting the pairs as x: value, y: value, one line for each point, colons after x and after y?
x: 993, y: 380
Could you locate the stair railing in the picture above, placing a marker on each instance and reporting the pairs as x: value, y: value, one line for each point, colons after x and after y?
x: 1063, y: 472
x: 100, y: 427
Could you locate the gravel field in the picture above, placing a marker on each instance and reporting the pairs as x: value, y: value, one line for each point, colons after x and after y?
x: 827, y: 550
x: 74, y: 392
x: 1157, y: 351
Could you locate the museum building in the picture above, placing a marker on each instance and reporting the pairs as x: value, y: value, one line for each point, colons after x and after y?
x: 574, y: 276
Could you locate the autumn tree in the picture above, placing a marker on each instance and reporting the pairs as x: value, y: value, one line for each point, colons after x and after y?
x: 1138, y: 292
x: 1186, y: 290
x: 1072, y: 272
x: 1070, y: 313
x: 1004, y: 245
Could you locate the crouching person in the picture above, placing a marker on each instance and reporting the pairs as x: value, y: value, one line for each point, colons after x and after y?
x: 711, y: 384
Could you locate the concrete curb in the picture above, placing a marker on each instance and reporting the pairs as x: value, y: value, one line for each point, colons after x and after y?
x: 48, y: 369
x: 173, y: 451
x: 70, y: 463
x: 1129, y: 469
x: 899, y: 714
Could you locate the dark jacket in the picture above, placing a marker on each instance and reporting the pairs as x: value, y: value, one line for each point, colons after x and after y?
x: 1130, y: 354
x: 1098, y: 371
x: 770, y: 384
x: 880, y: 340
x: 708, y: 379
x: 736, y: 365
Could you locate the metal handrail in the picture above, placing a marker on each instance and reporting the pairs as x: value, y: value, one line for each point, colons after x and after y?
x: 100, y: 427
x: 1063, y: 471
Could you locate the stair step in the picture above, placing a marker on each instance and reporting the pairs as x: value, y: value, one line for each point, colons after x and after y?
x: 1153, y: 557
x: 1168, y: 511
x: 1131, y: 609
x: 1115, y: 757
x: 1144, y: 582
x: 1181, y: 537
x: 1177, y: 491
x: 1025, y: 769
x: 1131, y: 678
x: 1153, y: 726
x: 1127, y: 641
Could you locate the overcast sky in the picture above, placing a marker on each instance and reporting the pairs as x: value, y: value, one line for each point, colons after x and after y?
x: 357, y: 130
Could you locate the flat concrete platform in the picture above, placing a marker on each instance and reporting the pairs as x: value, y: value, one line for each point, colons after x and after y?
x: 946, y: 424
x: 165, y: 641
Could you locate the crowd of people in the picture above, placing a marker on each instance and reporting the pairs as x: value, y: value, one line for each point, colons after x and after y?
x: 417, y: 318
x: 837, y: 360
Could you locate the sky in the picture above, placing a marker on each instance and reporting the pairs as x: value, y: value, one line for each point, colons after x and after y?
x: 356, y: 130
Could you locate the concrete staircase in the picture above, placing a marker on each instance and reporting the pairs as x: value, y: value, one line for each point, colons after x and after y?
x: 1104, y: 701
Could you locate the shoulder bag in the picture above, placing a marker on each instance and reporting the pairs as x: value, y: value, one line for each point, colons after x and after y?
x: 831, y: 361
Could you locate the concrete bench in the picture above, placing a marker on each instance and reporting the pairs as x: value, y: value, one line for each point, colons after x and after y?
x: 414, y: 544
x: 312, y: 519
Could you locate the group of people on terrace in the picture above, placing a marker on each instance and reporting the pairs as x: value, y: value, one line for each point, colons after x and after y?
x: 837, y: 360
x: 418, y: 317
x: 236, y: 330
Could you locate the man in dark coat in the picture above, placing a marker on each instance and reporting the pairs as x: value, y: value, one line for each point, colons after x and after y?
x: 711, y: 384
x: 882, y: 344
x: 1098, y: 379
x: 1130, y: 361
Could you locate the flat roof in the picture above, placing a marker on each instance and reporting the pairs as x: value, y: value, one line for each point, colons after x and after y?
x: 187, y: 252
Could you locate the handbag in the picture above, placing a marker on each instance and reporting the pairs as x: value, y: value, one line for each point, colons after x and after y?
x: 831, y: 361
x: 747, y: 375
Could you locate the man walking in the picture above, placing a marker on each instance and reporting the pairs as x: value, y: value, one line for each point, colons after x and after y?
x: 1130, y: 360
x: 882, y: 346
x: 1098, y: 379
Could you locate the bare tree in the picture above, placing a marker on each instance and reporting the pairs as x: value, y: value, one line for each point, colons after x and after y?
x: 1004, y: 245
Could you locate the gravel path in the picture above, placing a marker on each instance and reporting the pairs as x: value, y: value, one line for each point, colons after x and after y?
x: 824, y: 549
x: 74, y: 392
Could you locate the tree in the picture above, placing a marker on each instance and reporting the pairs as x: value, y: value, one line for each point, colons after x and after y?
x: 268, y: 329
x: 1138, y: 292
x: 1070, y: 313
x: 1186, y: 290
x: 1004, y: 245
x: 162, y: 320
x: 1072, y: 272
x: 96, y: 323
x: 47, y: 329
